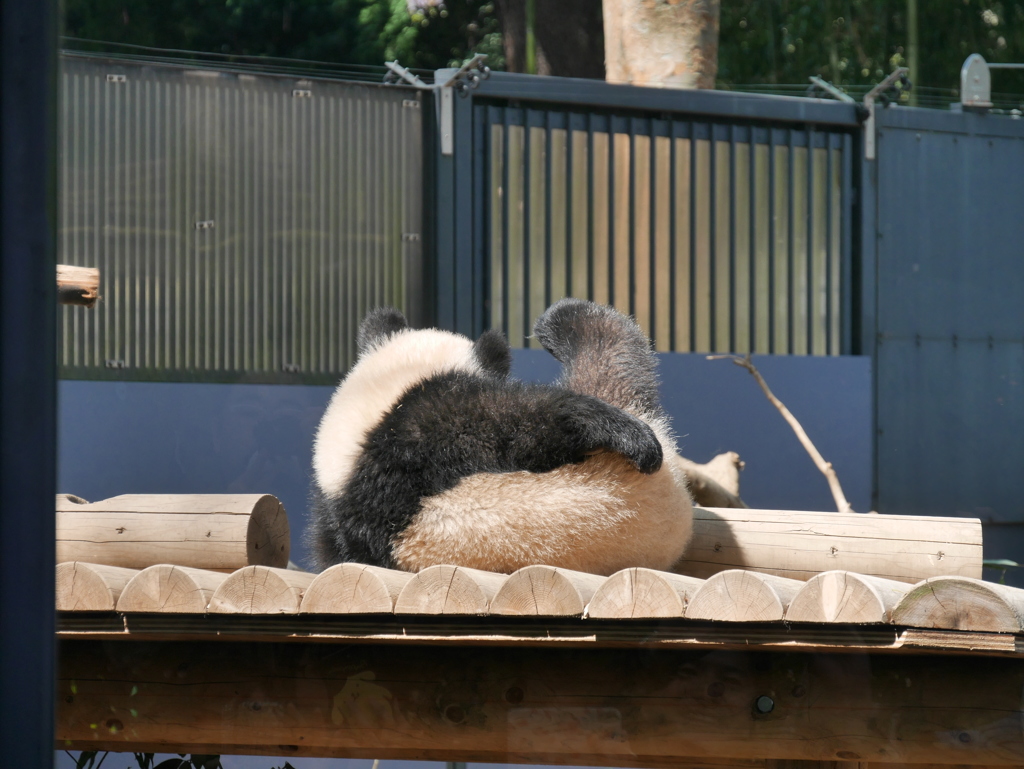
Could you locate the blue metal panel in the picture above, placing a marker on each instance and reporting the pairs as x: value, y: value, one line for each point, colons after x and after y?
x: 950, y: 334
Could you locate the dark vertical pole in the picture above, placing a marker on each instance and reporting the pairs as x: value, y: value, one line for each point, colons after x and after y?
x: 672, y: 298
x: 548, y: 161
x: 506, y: 207
x: 570, y: 220
x: 468, y: 303
x: 771, y: 241
x: 611, y: 210
x: 28, y: 350
x: 652, y: 256
x: 527, y: 226
x: 591, y: 255
x: 810, y: 243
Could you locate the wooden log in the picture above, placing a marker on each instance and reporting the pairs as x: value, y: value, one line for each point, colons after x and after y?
x: 260, y: 590
x: 545, y: 591
x: 78, y: 285
x: 842, y: 596
x: 354, y: 588
x: 643, y: 593
x: 90, y: 586
x: 220, y: 532
x: 170, y: 589
x: 449, y: 590
x: 743, y: 596
x: 799, y: 545
x: 636, y: 707
x: 953, y: 603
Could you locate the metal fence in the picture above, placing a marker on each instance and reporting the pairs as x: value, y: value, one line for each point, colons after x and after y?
x: 242, y: 224
x: 718, y: 236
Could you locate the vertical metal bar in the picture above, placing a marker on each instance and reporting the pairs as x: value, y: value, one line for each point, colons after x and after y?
x: 672, y: 298
x: 810, y: 242
x: 771, y: 241
x: 611, y: 211
x: 732, y: 238
x: 467, y: 300
x: 548, y: 160
x: 712, y: 239
x: 527, y: 183
x: 693, y: 237
x: 28, y: 388
x: 851, y: 345
x: 481, y: 221
x: 790, y: 256
x: 752, y: 244
x: 652, y: 256
x: 631, y: 299
x: 506, y: 204
x: 591, y: 255
x: 829, y: 277
x: 570, y: 218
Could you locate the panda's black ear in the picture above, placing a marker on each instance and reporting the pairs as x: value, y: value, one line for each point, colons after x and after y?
x: 494, y: 354
x: 378, y: 325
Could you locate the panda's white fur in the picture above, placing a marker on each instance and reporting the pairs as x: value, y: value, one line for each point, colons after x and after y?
x: 597, y: 514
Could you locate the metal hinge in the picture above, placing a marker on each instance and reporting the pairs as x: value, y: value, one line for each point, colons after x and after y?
x: 302, y: 93
x: 117, y: 78
x: 206, y: 224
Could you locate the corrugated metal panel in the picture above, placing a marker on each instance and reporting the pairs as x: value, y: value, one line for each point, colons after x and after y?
x: 717, y: 237
x: 242, y: 224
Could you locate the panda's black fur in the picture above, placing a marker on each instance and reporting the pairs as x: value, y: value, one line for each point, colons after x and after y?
x: 461, y: 418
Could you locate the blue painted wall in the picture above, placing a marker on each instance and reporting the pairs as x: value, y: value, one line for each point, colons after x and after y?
x: 145, y: 437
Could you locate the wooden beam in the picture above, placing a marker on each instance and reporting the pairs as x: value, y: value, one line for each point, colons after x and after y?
x: 170, y: 589
x: 545, y: 591
x: 449, y: 590
x: 354, y: 588
x: 743, y: 596
x: 89, y: 586
x: 613, y: 707
x: 643, y: 593
x: 78, y: 285
x: 799, y: 545
x: 260, y: 590
x: 842, y: 596
x: 962, y: 604
x: 221, y: 532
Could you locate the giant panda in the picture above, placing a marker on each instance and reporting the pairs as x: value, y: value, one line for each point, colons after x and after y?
x: 429, y: 453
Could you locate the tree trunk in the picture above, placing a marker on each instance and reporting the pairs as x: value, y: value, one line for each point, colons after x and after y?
x: 667, y: 43
x: 569, y: 37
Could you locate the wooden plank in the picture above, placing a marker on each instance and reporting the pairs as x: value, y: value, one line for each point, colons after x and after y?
x: 449, y: 590
x: 743, y: 596
x: 260, y: 590
x: 799, y: 545
x: 78, y: 285
x: 170, y: 589
x: 354, y: 588
x: 643, y: 593
x: 842, y: 596
x: 635, y: 707
x: 962, y: 604
x: 545, y: 591
x: 221, y: 532
x: 90, y: 586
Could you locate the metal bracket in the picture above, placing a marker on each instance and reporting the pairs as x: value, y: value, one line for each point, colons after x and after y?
x: 976, y: 81
x: 462, y: 79
x: 831, y: 90
x: 878, y: 93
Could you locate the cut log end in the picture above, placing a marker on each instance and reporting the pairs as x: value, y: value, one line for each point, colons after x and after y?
x: 842, y: 596
x: 545, y: 591
x: 743, y: 596
x: 268, y: 542
x: 261, y: 590
x: 89, y: 586
x: 170, y: 589
x: 960, y: 603
x: 354, y: 588
x: 449, y: 590
x: 643, y: 593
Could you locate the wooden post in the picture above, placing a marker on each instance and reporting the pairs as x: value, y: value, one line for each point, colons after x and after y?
x: 222, y: 532
x: 90, y: 586
x: 628, y: 707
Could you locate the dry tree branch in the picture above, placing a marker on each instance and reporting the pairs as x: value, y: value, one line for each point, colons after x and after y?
x: 825, y: 467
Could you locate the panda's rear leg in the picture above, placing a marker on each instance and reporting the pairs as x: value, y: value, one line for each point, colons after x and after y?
x: 605, y: 354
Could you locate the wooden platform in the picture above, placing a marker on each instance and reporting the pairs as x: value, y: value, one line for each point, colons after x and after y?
x: 639, y: 669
